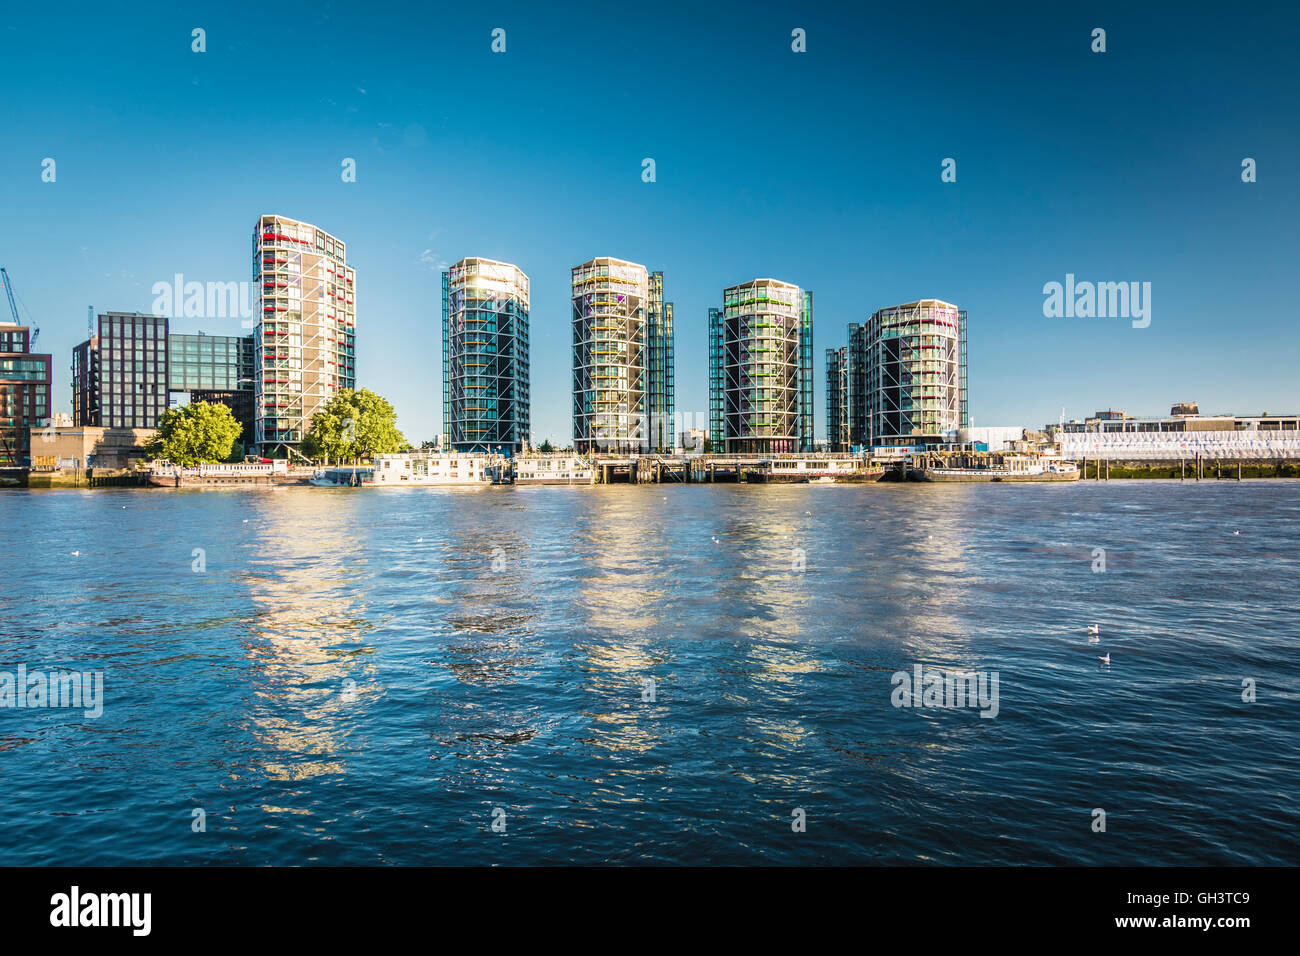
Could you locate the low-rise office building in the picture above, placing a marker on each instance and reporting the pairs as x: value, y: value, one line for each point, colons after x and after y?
x: 1183, y: 434
x: 133, y: 368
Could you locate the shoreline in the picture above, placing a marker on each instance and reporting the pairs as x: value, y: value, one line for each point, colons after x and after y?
x: 100, y: 484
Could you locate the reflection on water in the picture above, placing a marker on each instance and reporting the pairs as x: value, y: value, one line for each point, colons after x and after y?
x: 305, y: 638
x: 652, y: 674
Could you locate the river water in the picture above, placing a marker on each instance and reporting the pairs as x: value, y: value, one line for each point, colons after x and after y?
x: 654, y: 674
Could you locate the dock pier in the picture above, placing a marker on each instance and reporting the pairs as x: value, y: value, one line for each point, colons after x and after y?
x: 733, y: 469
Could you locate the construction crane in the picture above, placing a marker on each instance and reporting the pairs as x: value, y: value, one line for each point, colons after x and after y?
x: 13, y: 306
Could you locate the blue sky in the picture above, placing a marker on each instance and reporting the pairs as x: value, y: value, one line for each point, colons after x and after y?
x: 821, y: 168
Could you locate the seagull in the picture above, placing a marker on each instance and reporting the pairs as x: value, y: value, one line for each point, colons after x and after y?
x: 1105, y: 658
x: 245, y: 521
x: 715, y: 540
x: 419, y: 541
x: 76, y: 554
x: 1094, y: 629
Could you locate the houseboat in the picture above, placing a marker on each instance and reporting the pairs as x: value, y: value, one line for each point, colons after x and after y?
x: 549, y: 470
x: 165, y: 474
x: 432, y: 468
x: 1005, y: 468
x: 825, y: 469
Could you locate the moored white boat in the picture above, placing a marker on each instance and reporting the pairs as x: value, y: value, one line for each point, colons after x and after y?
x: 432, y: 469
x: 552, y: 470
x: 1014, y: 469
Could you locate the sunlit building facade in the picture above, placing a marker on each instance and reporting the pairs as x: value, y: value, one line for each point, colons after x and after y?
x: 119, y: 374
x: 837, y: 395
x: 659, y: 366
x: 485, y: 374
x: 24, y: 395
x: 305, y: 338
x: 914, y: 374
x: 760, y: 369
x: 623, y: 376
x: 845, y: 393
x: 218, y: 369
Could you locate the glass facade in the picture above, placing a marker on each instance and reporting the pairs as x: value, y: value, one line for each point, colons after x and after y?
x: 119, y: 376
x: 760, y: 369
x: 914, y: 374
x: 837, y: 398
x: 221, y: 362
x: 24, y: 395
x: 485, y: 373
x: 219, y: 369
x: 659, y: 366
x: 610, y: 374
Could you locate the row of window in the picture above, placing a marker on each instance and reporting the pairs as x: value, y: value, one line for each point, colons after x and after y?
x: 13, y: 342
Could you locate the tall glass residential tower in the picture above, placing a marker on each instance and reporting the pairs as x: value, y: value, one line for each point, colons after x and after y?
x: 485, y: 396
x: 837, y: 398
x: 622, y: 358
x: 305, y: 338
x: 659, y: 366
x: 846, y: 418
x: 760, y: 369
x: 914, y: 374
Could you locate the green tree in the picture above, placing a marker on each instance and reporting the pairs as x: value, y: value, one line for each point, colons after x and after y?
x: 546, y: 448
x: 194, y: 434
x: 353, y: 425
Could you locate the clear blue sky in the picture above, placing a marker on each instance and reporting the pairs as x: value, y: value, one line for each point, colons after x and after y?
x: 820, y: 168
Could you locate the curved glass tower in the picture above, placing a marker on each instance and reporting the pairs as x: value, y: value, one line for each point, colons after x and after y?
x: 760, y: 369
x: 485, y: 398
x: 610, y: 402
x: 305, y: 338
x: 915, y: 373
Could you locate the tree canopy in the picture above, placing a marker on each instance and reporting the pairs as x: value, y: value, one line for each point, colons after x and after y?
x: 353, y: 425
x: 195, y: 434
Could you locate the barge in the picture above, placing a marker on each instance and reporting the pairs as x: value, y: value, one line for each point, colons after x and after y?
x: 432, y: 469
x: 164, y: 474
x: 1010, y: 468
